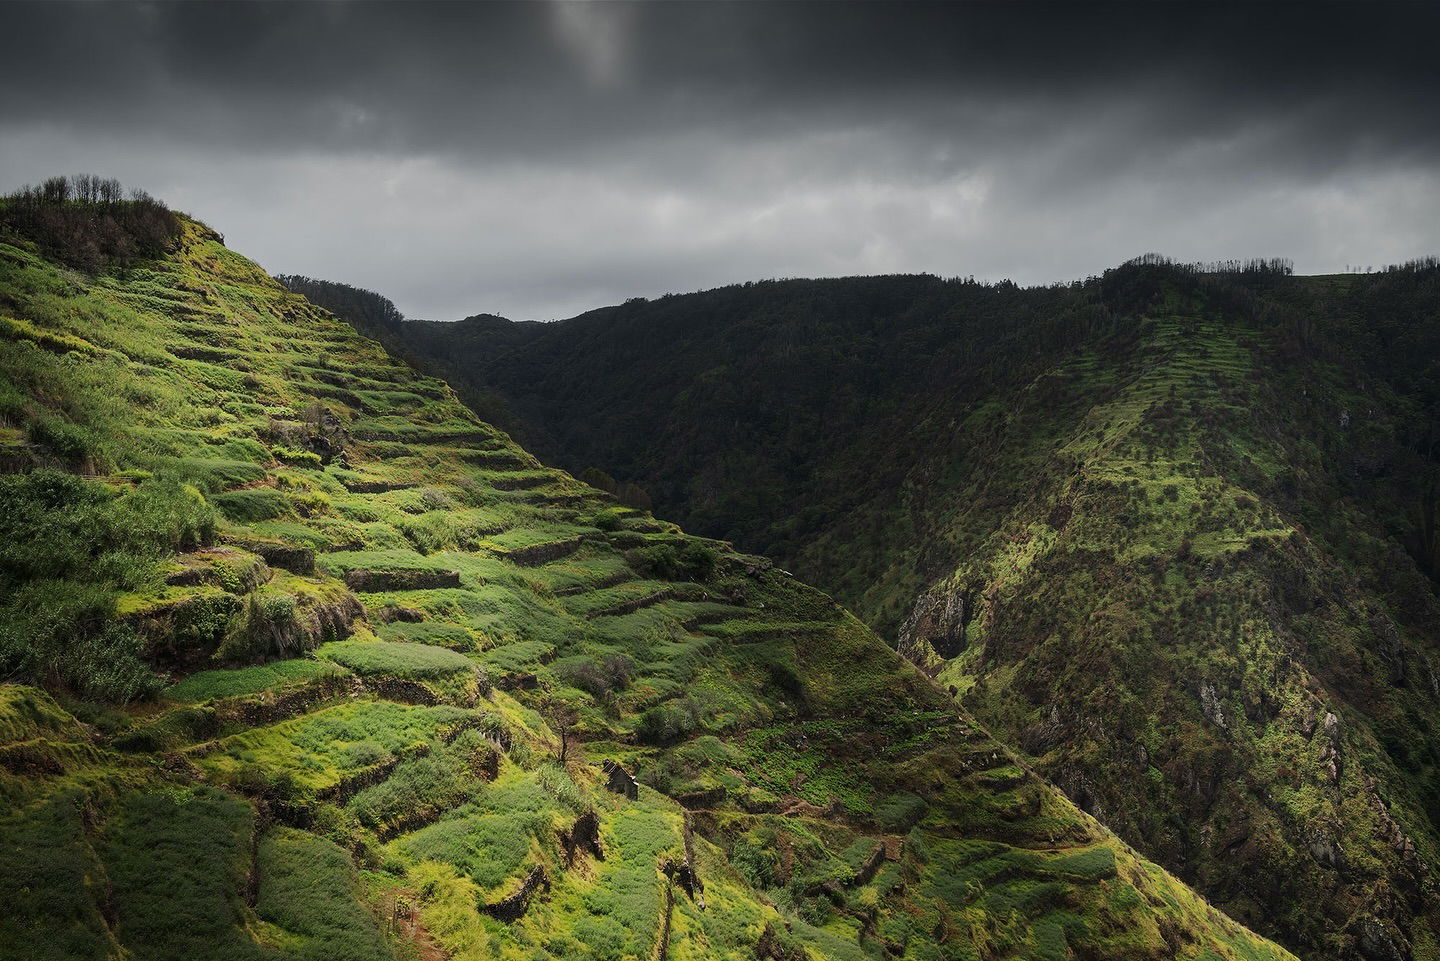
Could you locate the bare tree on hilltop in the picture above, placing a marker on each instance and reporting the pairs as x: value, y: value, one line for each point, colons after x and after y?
x: 88, y: 222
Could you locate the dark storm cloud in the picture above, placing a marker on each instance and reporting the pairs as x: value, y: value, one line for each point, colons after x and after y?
x: 540, y: 158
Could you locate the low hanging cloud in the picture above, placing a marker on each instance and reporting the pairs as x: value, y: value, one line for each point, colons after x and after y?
x: 536, y: 160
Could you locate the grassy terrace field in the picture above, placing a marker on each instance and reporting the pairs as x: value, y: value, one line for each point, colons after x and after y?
x: 1151, y: 528
x: 331, y: 669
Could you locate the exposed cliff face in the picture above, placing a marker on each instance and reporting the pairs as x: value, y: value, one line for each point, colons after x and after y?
x: 936, y: 625
x: 337, y: 711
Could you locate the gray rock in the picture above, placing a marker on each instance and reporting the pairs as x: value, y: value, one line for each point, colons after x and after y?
x: 1210, y: 704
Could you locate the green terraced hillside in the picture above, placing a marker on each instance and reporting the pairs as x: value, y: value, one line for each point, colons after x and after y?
x: 305, y: 661
x: 1172, y: 532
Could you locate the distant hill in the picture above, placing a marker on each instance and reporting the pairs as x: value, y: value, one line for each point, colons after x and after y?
x: 1172, y: 531
x: 304, y: 660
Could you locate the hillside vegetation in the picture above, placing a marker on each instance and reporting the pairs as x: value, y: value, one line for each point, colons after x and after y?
x: 1171, y: 531
x: 306, y: 661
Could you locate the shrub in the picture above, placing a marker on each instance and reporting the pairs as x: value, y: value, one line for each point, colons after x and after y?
x: 308, y: 889
x: 600, y: 480
x: 558, y: 783
x: 208, y: 685
x: 266, y: 626
x: 67, y: 547
x: 65, y: 440
x: 173, y: 859
x: 611, y: 673
x: 426, y: 785
x: 12, y: 403
x: 310, y: 503
x: 608, y: 519
x: 166, y: 517
x: 438, y: 634
x: 252, y: 780
x: 634, y: 495
x: 107, y: 667
x: 428, y: 533
x: 758, y: 862
x: 900, y: 812
x: 668, y: 722
x: 690, y: 561
x: 300, y: 458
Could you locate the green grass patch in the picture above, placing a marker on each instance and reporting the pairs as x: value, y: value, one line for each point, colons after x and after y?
x: 311, y: 901
x: 261, y: 678
x: 319, y: 749
x: 177, y: 862
x: 437, y: 633
x: 395, y: 659
x: 248, y: 506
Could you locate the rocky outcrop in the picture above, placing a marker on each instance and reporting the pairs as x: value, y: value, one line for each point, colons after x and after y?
x: 706, y: 798
x: 614, y: 580
x: 867, y: 871
x: 1210, y: 705
x: 537, y: 554
x: 636, y: 604
x: 391, y: 613
x: 582, y: 838
x: 328, y: 437
x: 184, y: 632
x: 235, y: 571
x: 269, y: 707
x: 684, y: 872
x: 372, y: 581
x: 353, y: 784
x: 512, y: 908
x: 403, y: 690
x: 518, y: 681
x: 667, y: 913
x: 30, y: 759
x: 484, y: 762
x: 771, y: 948
x: 1391, y: 648
x: 276, y: 624
x: 520, y: 482
x: 697, y: 888
x: 497, y: 459
x: 290, y: 557
x: 376, y: 486
x: 939, y: 619
x: 1330, y: 748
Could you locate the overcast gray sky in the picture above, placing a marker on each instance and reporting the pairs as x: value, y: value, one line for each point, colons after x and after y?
x: 539, y: 159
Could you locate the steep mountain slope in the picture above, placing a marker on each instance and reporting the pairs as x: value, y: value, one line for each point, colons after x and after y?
x: 1172, y: 531
x: 409, y: 674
